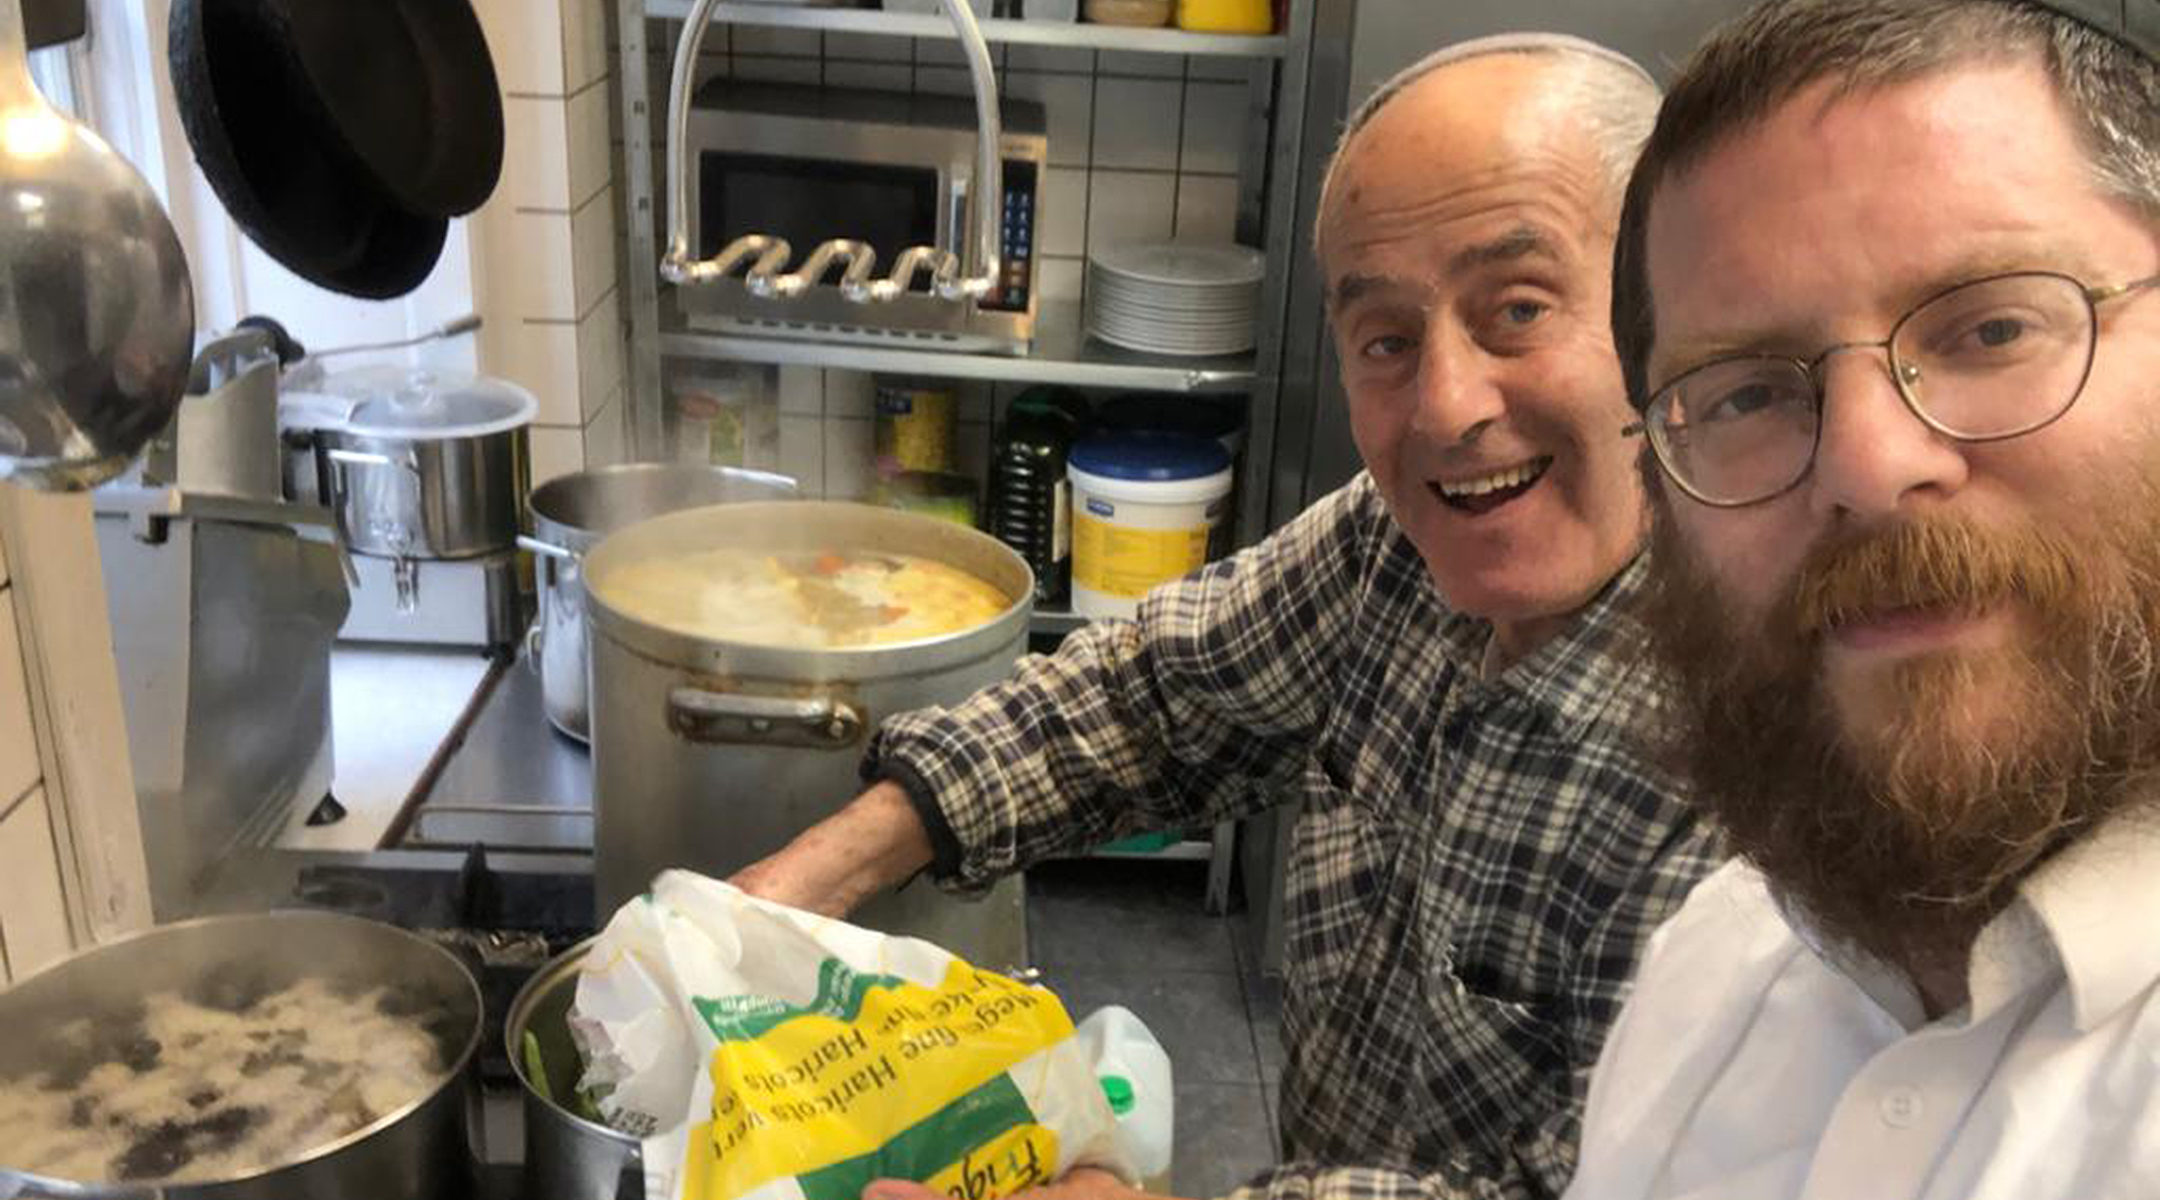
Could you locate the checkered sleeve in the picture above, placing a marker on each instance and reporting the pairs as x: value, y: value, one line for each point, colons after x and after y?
x: 1190, y: 714
x: 1311, y: 1181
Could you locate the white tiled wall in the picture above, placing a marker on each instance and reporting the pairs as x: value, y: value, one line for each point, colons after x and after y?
x: 546, y: 242
x: 1141, y: 147
x: 33, y: 907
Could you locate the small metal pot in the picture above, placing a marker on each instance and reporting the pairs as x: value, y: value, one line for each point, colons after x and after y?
x: 418, y: 1152
x: 426, y: 465
x: 566, y: 1156
x: 403, y: 497
x: 570, y: 516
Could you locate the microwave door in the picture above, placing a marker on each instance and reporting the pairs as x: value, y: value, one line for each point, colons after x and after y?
x: 809, y: 201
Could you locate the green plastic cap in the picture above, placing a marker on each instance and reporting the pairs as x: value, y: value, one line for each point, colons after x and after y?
x: 1118, y: 1091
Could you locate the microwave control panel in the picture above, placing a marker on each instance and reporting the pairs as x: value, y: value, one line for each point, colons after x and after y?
x: 1017, y: 256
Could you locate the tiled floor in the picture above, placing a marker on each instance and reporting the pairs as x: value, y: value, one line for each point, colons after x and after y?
x: 1135, y: 933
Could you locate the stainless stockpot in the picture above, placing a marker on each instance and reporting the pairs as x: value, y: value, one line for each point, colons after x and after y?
x: 711, y: 755
x: 416, y: 1153
x: 570, y: 516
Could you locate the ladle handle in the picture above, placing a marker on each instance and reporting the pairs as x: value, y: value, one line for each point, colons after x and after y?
x: 17, y: 88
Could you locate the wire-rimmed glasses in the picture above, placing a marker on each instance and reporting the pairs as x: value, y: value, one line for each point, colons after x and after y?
x: 1987, y: 360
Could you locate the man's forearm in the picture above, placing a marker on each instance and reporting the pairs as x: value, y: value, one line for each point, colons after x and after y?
x: 873, y: 844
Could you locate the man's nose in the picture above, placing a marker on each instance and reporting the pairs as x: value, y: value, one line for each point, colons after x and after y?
x: 1874, y: 455
x: 1457, y: 395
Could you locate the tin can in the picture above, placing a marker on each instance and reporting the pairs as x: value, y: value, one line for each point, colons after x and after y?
x: 915, y: 429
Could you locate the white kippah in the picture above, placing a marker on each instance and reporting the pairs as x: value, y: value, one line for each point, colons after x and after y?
x: 1499, y: 43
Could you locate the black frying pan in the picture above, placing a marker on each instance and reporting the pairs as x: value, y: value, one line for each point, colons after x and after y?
x: 407, y: 90
x: 277, y: 155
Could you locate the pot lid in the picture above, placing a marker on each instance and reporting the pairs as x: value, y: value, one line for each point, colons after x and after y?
x: 1150, y: 456
x: 429, y: 403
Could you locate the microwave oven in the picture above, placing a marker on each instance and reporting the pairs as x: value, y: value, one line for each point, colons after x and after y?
x: 810, y: 164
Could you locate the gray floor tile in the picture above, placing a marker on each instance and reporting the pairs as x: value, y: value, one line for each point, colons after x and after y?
x: 1198, y: 1017
x: 1093, y: 915
x: 1222, y: 1138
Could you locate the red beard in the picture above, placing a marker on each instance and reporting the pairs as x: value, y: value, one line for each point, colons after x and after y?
x: 1903, y: 825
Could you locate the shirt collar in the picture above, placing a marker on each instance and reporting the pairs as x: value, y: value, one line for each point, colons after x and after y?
x: 2085, y: 917
x: 2096, y: 899
x: 1602, y: 655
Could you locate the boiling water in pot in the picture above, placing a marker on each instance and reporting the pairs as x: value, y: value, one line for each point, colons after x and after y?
x: 225, y: 1081
x: 806, y: 600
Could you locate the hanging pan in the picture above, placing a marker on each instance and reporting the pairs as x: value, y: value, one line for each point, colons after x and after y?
x: 349, y: 187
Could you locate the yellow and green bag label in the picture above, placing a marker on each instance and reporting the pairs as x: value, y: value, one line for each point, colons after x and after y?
x: 817, y: 1091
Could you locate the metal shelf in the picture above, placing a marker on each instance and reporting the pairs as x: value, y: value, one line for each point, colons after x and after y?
x: 1062, y: 354
x: 1024, y: 33
x: 1055, y: 620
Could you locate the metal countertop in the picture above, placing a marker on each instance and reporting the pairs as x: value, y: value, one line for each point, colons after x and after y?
x: 511, y: 781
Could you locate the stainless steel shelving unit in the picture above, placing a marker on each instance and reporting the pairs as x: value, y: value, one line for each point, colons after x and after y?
x: 1269, y: 180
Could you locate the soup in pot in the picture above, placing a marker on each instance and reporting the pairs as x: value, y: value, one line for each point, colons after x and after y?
x: 810, y: 600
x: 813, y: 601
x: 224, y: 1084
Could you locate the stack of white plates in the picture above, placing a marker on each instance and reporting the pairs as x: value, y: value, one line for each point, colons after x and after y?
x: 1175, y: 297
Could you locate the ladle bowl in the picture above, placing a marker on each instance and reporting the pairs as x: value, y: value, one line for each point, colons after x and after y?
x: 97, y: 316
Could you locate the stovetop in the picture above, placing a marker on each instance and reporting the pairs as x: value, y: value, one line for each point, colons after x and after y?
x: 503, y: 925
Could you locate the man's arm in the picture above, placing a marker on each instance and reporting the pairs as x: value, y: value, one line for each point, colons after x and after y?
x: 875, y: 843
x: 1198, y: 711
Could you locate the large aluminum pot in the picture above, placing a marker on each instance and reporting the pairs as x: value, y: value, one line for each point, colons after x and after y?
x: 418, y: 1152
x: 429, y: 467
x: 712, y: 755
x: 566, y: 1156
x: 570, y: 516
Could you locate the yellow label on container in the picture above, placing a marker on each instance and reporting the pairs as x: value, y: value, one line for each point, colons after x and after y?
x: 1127, y: 563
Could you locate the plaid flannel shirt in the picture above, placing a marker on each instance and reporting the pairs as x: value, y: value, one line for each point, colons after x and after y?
x: 1476, y: 866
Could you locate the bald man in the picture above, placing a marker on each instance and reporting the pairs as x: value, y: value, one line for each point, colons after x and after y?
x: 1441, y: 661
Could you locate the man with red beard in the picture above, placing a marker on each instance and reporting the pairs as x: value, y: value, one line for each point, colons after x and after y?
x: 1885, y: 294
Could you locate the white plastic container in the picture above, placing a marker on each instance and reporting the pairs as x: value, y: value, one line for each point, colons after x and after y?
x: 1135, y: 1075
x: 1144, y: 506
x: 1050, y: 10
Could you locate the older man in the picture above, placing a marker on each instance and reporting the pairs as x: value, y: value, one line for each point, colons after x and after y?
x: 1887, y: 288
x: 1441, y: 660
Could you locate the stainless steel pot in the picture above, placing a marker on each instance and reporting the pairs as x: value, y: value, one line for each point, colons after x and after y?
x: 711, y: 755
x: 423, y: 464
x: 566, y: 1156
x: 570, y: 516
x: 411, y: 497
x: 416, y: 1153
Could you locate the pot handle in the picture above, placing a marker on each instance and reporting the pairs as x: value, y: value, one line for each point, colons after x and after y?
x: 545, y: 549
x: 360, y: 458
x: 823, y: 722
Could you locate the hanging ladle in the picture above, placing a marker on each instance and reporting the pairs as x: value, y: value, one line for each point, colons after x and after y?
x: 97, y: 318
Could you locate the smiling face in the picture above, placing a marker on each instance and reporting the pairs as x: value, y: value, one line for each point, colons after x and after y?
x: 1929, y: 665
x: 1466, y: 249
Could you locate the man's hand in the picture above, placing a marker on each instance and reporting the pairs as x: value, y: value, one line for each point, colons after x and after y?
x: 874, y: 843
x: 1085, y: 1183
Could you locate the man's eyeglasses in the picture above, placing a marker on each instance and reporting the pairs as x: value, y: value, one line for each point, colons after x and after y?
x: 1987, y: 360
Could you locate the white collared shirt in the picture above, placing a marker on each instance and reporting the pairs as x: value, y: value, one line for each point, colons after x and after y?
x: 1747, y: 1065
